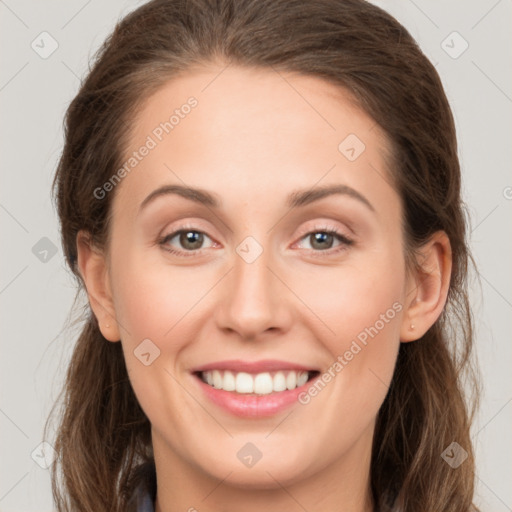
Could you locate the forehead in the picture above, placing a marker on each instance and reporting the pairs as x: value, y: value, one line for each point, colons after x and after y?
x: 255, y: 131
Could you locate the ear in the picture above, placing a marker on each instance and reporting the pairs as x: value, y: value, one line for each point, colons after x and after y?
x: 428, y: 287
x: 94, y: 271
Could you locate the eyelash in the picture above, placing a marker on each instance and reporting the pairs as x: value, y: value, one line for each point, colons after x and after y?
x: 320, y: 253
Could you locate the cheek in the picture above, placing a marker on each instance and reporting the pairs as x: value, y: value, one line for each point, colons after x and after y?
x: 345, y: 300
x: 366, y: 336
x: 360, y: 310
x: 153, y: 299
x: 156, y: 302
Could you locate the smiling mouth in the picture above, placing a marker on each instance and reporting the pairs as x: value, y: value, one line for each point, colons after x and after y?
x: 262, y: 383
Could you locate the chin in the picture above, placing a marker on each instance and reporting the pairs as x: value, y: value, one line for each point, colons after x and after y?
x: 271, y: 473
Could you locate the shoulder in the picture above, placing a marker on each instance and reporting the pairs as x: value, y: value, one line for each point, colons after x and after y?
x: 144, y: 493
x: 143, y: 501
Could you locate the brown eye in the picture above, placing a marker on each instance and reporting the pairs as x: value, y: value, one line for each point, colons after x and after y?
x: 186, y: 240
x: 322, y: 240
x: 191, y: 240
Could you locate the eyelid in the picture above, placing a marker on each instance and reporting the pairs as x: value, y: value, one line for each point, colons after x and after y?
x: 183, y: 225
x: 175, y: 231
x: 324, y: 225
x: 318, y: 226
x: 336, y: 232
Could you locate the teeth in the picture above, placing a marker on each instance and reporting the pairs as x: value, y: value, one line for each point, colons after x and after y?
x: 244, y: 383
x: 217, y: 379
x: 279, y: 381
x: 261, y: 383
x: 302, y: 378
x: 229, y: 382
x: 291, y: 380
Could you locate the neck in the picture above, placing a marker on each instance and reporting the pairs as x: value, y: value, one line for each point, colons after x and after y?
x: 342, y: 485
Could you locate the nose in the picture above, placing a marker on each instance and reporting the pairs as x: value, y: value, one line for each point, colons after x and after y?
x: 254, y: 299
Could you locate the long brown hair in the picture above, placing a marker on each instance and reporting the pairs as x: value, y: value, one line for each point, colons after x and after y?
x: 103, y: 438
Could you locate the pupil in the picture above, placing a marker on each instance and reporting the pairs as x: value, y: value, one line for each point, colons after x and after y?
x: 320, y: 237
x: 195, y: 239
x: 191, y: 238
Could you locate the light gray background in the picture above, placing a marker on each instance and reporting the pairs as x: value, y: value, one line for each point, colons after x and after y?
x: 36, y: 295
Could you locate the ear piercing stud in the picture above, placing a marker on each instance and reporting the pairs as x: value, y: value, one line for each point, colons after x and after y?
x: 411, y: 327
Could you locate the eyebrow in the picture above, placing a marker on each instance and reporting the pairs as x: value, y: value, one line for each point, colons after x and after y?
x: 297, y: 198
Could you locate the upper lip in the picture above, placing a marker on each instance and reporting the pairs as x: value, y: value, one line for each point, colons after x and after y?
x: 266, y: 365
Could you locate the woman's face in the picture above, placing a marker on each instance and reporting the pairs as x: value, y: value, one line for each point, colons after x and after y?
x: 258, y: 278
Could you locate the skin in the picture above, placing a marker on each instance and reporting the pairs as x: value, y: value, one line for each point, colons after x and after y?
x: 254, y: 137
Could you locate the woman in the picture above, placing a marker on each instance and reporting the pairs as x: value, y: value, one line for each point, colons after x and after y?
x: 306, y: 350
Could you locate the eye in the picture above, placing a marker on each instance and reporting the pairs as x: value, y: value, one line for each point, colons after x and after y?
x: 321, y: 240
x: 190, y: 239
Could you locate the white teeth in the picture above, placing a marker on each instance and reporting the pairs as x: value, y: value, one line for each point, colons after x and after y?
x: 244, y: 383
x: 279, y: 381
x: 261, y: 383
x: 229, y: 383
x: 302, y: 378
x: 217, y: 379
x: 291, y: 380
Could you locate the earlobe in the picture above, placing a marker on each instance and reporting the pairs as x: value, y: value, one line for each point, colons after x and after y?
x: 93, y: 269
x: 428, y: 291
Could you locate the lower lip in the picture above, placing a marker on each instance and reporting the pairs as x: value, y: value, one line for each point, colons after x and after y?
x: 253, y: 406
